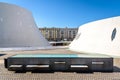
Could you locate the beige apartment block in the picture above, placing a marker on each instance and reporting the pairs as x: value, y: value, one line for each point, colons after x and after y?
x: 59, y: 34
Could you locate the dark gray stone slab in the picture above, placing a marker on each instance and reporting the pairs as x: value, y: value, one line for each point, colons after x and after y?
x: 77, y: 63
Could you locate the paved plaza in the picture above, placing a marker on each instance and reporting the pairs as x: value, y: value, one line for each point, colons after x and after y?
x: 11, y: 75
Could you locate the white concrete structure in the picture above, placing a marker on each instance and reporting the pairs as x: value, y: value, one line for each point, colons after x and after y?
x: 102, y: 36
x: 18, y: 29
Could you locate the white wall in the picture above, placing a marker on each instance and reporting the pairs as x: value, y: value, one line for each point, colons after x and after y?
x: 18, y: 29
x: 95, y: 37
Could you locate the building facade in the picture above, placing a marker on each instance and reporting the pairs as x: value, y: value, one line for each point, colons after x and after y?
x: 59, y: 34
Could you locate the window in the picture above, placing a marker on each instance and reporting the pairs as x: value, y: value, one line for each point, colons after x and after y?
x: 62, y: 32
x: 113, y: 34
x: 73, y: 32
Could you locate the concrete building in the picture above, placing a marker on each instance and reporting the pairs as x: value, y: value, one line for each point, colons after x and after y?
x: 102, y: 36
x: 58, y: 34
x: 18, y: 29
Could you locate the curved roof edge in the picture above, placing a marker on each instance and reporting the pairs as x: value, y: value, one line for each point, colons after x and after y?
x: 11, y: 4
x: 92, y: 22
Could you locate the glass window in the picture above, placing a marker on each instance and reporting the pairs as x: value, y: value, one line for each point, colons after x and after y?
x: 62, y: 32
x: 113, y: 34
x: 73, y: 32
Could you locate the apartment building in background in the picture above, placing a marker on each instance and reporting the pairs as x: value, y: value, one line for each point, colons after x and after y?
x: 59, y: 34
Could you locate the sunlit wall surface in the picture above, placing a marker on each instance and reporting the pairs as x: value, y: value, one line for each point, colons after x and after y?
x: 18, y: 29
x: 102, y: 36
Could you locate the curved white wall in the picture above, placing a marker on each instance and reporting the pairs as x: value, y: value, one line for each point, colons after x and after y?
x: 18, y: 29
x: 102, y: 36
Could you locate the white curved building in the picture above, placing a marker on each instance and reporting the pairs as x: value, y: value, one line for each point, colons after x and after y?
x: 18, y: 28
x: 102, y: 36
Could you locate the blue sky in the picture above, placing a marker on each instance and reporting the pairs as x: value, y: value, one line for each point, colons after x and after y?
x: 70, y: 13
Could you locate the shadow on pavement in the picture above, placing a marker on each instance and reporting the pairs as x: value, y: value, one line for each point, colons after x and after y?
x: 2, y: 54
x: 116, y: 69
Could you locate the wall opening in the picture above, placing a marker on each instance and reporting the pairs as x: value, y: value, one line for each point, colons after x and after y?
x: 113, y: 34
